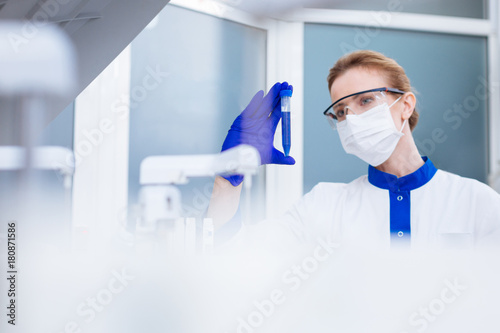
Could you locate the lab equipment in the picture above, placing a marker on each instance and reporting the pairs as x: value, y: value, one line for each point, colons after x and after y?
x: 285, y: 120
x: 256, y: 126
x: 190, y: 236
x: 208, y: 235
x: 160, y: 200
x: 37, y: 69
x: 43, y: 158
x: 32, y: 72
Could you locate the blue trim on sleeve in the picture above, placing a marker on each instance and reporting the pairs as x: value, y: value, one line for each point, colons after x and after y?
x: 400, y: 197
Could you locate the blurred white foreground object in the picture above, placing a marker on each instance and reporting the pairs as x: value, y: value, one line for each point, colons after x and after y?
x: 37, y: 66
x: 156, y: 170
x: 35, y: 60
x: 54, y: 158
x: 160, y: 201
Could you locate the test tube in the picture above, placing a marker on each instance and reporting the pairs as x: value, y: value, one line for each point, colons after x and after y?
x: 285, y: 120
x: 208, y: 236
x: 190, y: 236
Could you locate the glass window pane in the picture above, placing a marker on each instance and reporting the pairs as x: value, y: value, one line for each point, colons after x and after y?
x: 459, y: 8
x: 60, y: 131
x: 192, y: 74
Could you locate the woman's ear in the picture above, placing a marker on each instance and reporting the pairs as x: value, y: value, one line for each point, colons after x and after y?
x: 409, y: 101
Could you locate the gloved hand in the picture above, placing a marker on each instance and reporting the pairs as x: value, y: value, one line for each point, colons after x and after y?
x: 256, y: 126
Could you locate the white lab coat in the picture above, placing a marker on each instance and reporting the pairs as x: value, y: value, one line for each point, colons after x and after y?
x: 447, y: 211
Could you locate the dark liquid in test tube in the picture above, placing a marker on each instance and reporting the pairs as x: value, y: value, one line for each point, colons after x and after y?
x: 285, y: 120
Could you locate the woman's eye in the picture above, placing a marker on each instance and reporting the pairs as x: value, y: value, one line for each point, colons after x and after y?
x: 366, y: 101
x: 340, y: 113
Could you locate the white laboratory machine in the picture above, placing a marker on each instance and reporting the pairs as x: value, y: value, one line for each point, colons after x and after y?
x: 37, y: 68
x: 160, y: 204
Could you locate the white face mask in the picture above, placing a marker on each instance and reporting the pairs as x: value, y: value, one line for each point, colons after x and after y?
x: 372, y: 135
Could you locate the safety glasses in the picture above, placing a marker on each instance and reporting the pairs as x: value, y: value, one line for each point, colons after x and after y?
x: 357, y: 103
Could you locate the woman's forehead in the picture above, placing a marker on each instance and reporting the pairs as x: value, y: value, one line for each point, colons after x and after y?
x: 355, y: 80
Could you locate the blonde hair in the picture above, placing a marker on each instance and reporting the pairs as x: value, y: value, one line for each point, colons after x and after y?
x: 368, y: 59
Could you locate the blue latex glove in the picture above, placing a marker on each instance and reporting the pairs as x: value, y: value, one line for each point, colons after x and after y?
x: 256, y: 126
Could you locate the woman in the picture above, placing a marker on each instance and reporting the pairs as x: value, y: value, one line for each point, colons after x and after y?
x: 403, y: 200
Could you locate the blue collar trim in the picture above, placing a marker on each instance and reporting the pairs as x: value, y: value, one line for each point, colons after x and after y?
x: 409, y: 182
